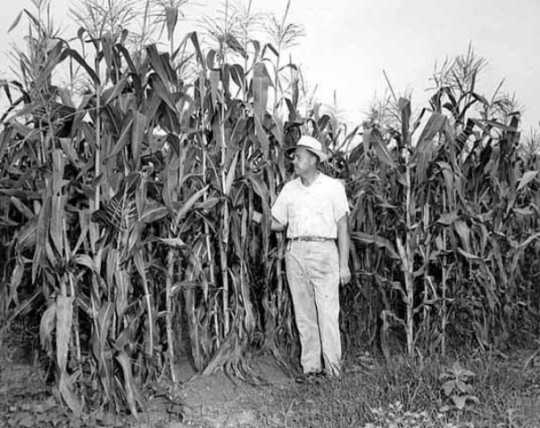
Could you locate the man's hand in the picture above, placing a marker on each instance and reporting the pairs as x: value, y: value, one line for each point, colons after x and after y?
x: 275, y: 225
x: 344, y: 274
x: 256, y: 217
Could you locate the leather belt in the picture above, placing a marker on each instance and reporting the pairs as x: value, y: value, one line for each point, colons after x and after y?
x: 312, y: 238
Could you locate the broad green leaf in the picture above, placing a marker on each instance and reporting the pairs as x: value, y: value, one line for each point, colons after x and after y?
x: 434, y: 125
x: 154, y: 212
x: 16, y: 278
x: 270, y: 47
x: 469, y: 256
x: 527, y: 177
x: 208, y: 204
x: 42, y: 231
x: 161, y: 65
x: 237, y: 75
x: 79, y: 59
x: 448, y: 218
x: 459, y: 401
x: 464, y: 233
x: 171, y: 19
x: 379, y: 241
x: 235, y: 45
x: 138, y: 130
x: 467, y: 373
x: 27, y: 212
x: 376, y: 141
x: 69, y: 150
x: 195, y: 40
x: 123, y: 288
x: 58, y: 201
x: 102, y: 321
x: 215, y: 79
x: 186, y: 207
x: 448, y: 387
x: 47, y: 326
x: 66, y: 388
x: 173, y: 242
x: 163, y: 93
x: 64, y: 318
x: 129, y: 383
x: 404, y: 106
x: 523, y: 211
x: 26, y: 236
x: 15, y: 22
x: 123, y: 138
x: 110, y: 94
x: 259, y: 85
x: 229, y: 179
x: 529, y: 240
x: 462, y: 386
x: 86, y: 261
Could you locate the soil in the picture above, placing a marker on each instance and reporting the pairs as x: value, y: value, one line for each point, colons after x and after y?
x: 220, y: 401
x: 210, y: 401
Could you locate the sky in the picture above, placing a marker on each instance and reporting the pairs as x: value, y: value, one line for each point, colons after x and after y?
x: 348, y: 44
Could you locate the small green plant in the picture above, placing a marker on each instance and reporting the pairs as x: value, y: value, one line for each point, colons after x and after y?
x: 457, y: 387
x: 395, y: 416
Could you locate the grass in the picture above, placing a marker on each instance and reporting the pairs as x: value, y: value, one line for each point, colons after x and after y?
x: 403, y: 394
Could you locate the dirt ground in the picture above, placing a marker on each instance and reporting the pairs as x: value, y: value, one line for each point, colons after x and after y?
x: 210, y: 401
x: 218, y: 402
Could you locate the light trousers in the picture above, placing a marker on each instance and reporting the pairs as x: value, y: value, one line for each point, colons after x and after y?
x: 313, y: 276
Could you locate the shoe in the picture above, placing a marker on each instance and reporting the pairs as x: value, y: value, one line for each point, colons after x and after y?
x: 334, y: 377
x: 333, y: 374
x: 311, y: 377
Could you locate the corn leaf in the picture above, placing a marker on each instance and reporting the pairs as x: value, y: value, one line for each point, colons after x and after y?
x: 526, y: 178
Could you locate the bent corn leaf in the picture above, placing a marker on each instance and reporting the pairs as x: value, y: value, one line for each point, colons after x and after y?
x: 379, y: 241
x: 527, y: 177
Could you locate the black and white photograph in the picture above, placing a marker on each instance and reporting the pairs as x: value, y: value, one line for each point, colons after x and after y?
x: 255, y: 213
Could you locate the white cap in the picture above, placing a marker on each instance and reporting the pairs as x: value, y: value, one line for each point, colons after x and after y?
x: 313, y: 145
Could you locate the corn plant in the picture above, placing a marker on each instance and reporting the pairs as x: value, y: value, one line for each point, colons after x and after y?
x: 445, y: 219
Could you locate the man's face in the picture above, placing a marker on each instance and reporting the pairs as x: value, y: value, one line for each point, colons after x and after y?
x: 303, y: 161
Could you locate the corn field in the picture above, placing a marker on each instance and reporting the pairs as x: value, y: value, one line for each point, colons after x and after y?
x: 127, y: 198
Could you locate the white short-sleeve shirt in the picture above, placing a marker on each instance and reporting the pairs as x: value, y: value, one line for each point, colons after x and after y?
x: 312, y: 210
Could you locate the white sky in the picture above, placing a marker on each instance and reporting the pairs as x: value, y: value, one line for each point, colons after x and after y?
x: 349, y: 42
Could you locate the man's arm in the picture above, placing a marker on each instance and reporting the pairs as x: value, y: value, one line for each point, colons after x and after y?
x: 275, y: 225
x: 343, y: 249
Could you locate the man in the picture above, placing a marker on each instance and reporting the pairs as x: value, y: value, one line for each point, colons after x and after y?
x: 314, y: 209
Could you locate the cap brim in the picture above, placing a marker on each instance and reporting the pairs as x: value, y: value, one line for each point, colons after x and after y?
x: 322, y: 156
